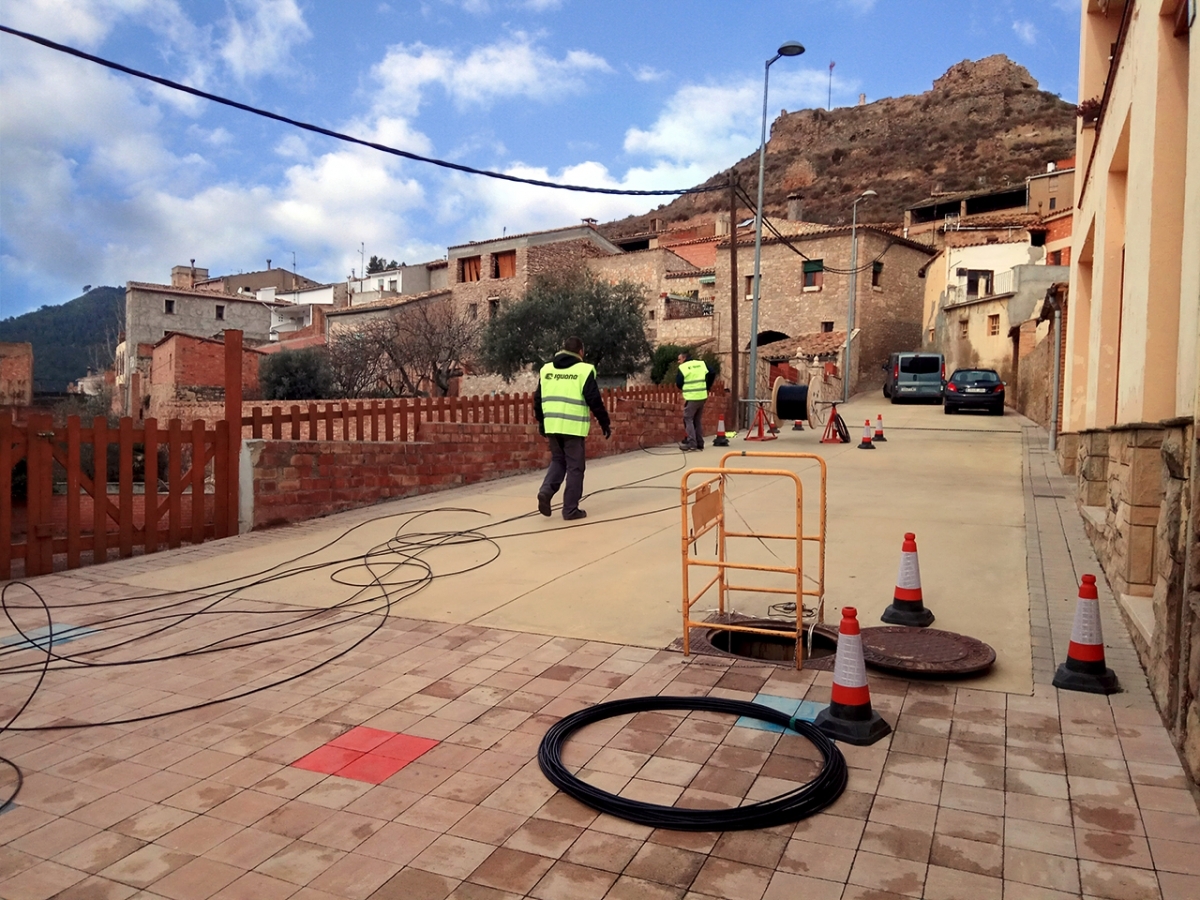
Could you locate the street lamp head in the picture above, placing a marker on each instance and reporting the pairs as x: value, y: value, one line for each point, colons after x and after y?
x: 791, y: 48
x: 867, y: 193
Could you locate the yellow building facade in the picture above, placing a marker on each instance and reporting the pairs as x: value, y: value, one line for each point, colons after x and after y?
x: 1133, y: 332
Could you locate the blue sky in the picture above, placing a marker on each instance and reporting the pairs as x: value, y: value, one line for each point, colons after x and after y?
x: 106, y: 179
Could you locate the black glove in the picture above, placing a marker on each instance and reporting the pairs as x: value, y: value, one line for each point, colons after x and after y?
x: 607, y: 433
x: 541, y: 429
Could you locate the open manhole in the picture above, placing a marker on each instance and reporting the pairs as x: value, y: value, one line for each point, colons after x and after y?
x: 919, y: 652
x: 769, y: 647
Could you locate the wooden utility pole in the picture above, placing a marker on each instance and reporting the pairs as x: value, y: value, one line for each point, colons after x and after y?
x: 734, y: 347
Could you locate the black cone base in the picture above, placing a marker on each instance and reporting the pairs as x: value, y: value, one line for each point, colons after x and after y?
x: 1089, y: 682
x: 797, y: 426
x: 879, y: 437
x: 850, y: 731
x: 720, y: 441
x: 865, y: 446
x: 912, y: 613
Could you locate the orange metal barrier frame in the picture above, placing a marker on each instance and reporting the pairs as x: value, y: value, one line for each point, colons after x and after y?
x: 708, y: 512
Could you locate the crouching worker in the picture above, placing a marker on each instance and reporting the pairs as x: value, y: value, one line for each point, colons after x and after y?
x: 566, y: 391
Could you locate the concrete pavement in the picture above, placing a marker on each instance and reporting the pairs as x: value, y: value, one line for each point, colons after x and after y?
x: 1001, y: 787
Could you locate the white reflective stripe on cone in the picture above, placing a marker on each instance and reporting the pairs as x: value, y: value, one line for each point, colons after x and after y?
x: 850, y: 670
x: 910, y: 571
x: 1086, y: 628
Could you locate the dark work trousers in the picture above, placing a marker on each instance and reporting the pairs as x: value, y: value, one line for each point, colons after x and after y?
x: 566, y: 459
x: 692, y: 412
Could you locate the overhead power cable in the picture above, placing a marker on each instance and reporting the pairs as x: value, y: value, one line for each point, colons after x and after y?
x: 337, y: 135
x: 783, y: 239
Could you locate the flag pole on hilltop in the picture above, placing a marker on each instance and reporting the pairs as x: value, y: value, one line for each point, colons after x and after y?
x: 829, y: 102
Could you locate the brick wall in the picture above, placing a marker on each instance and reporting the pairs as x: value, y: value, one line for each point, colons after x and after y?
x: 298, y: 480
x: 16, y: 374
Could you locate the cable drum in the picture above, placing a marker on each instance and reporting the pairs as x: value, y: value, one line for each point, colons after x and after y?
x: 804, y: 801
x: 790, y: 401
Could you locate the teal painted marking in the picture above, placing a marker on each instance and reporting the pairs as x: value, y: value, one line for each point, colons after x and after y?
x: 804, y: 710
x: 41, y: 638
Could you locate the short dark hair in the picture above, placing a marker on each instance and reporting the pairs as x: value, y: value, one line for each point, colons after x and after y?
x: 684, y: 354
x: 573, y: 345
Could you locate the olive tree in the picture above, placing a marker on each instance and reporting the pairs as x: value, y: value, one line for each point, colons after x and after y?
x: 610, y: 319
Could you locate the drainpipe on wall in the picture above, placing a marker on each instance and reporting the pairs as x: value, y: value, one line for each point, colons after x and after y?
x: 1053, y: 301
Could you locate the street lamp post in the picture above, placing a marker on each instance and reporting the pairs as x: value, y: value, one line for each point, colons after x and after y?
x: 853, y: 287
x: 791, y: 48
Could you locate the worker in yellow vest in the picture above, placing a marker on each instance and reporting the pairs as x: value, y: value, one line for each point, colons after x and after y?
x: 566, y: 391
x: 695, y: 378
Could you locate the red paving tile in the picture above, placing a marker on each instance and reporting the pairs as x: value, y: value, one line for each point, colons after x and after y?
x: 327, y: 760
x: 366, y: 754
x: 406, y: 747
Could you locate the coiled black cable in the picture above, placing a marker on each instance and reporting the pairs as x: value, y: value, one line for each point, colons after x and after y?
x: 793, y: 806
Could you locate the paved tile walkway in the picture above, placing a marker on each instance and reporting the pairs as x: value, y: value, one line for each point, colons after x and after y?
x: 977, y: 794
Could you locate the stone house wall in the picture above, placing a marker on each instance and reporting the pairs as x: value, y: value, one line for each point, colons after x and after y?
x: 475, y: 297
x: 1137, y: 494
x: 888, y: 315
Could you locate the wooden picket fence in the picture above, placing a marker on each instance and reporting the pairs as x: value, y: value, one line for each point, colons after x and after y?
x: 73, y: 511
x: 71, y: 508
x: 400, y: 420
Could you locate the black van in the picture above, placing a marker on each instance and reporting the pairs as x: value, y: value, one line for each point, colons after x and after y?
x: 915, y: 376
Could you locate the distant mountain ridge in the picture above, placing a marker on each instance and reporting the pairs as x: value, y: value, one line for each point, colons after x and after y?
x: 70, y: 337
x: 983, y: 124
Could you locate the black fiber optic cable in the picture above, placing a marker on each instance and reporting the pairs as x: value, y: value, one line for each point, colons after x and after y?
x: 792, y: 806
x: 337, y: 135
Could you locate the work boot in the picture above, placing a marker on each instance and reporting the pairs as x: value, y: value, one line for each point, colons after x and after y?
x: 686, y: 447
x: 578, y: 514
x: 544, y: 504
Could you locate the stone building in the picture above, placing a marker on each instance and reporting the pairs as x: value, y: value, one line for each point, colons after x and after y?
x: 153, y: 310
x: 187, y: 368
x: 810, y: 293
x: 1133, y: 336
x: 976, y: 294
x: 483, y: 274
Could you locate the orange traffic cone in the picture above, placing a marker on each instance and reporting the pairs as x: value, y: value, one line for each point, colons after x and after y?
x: 721, y: 440
x: 908, y: 605
x: 879, y: 428
x: 1084, y: 669
x: 866, y: 438
x: 849, y: 716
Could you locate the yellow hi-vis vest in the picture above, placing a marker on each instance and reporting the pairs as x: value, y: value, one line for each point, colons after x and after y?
x: 695, y: 376
x: 564, y: 411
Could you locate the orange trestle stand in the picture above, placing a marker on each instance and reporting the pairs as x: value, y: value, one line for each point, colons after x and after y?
x: 866, y: 438
x: 1084, y: 669
x: 849, y: 716
x: 908, y: 604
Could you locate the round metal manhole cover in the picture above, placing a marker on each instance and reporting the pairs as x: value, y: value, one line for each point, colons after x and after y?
x: 925, y: 651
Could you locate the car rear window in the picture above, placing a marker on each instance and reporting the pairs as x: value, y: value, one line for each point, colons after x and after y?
x: 921, y: 368
x: 920, y: 365
x: 974, y: 375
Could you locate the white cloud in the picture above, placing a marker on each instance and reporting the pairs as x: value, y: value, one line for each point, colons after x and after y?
x: 262, y: 42
x: 540, y: 5
x: 512, y: 67
x: 648, y: 73
x: 706, y: 127
x: 1025, y: 31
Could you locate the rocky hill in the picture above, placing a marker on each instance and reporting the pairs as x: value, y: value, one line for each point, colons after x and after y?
x: 984, y: 124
